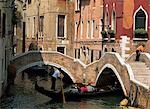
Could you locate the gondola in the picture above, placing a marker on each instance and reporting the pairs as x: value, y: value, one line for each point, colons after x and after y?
x: 57, y: 95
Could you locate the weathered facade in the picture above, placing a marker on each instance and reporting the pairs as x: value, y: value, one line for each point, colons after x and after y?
x: 88, y: 27
x: 126, y: 16
x: 49, y: 25
x: 6, y: 45
x: 18, y: 27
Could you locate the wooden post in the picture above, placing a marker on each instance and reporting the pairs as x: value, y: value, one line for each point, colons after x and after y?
x: 62, y: 89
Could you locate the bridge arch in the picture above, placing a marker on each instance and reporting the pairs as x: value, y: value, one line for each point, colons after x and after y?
x: 116, y: 73
x: 46, y: 63
x: 59, y: 60
x: 121, y: 69
x: 63, y: 69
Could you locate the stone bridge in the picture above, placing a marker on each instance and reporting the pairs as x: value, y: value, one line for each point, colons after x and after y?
x: 77, y: 70
x: 140, y: 85
x: 130, y: 80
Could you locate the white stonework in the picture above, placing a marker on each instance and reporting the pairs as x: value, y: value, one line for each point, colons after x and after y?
x: 123, y: 45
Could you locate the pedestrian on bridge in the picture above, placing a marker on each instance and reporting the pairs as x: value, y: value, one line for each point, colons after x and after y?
x: 138, y: 51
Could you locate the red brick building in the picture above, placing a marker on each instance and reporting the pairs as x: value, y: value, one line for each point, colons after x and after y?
x: 126, y: 16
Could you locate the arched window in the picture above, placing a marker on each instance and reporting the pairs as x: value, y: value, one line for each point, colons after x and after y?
x: 140, y: 20
x: 29, y: 1
x: 106, y: 21
x: 113, y: 21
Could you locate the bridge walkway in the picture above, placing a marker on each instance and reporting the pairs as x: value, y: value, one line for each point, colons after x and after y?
x: 141, y: 72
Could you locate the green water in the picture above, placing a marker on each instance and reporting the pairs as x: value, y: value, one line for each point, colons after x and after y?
x: 23, y: 96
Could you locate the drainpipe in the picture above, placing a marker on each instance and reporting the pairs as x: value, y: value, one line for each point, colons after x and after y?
x: 102, y: 20
x: 23, y: 41
x: 38, y: 25
x: 103, y: 17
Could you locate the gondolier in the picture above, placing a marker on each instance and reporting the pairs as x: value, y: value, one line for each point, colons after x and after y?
x: 57, y: 74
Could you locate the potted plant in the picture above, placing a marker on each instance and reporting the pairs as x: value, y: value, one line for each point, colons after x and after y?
x: 140, y: 33
x: 17, y: 17
x: 111, y: 33
x: 104, y: 34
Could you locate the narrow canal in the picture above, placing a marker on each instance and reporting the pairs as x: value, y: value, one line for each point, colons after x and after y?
x: 22, y: 95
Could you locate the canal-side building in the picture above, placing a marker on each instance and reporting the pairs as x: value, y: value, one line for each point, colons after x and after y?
x: 6, y: 40
x: 127, y: 18
x: 19, y: 39
x: 49, y: 25
x: 88, y: 26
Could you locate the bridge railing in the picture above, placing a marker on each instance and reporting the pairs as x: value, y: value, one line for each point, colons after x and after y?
x: 144, y: 57
x: 115, y: 62
x: 67, y: 63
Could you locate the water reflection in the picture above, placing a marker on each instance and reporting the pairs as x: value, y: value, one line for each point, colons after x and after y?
x: 23, y: 96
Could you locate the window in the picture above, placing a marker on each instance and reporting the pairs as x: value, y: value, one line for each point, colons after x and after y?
x: 88, y: 29
x: 78, y: 53
x: 100, y: 53
x: 0, y: 25
x: 91, y: 55
x: 76, y: 25
x: 29, y: 1
x: 75, y: 53
x: 61, y: 26
x: 140, y: 20
x: 93, y: 28
x: 94, y: 3
x: 33, y: 32
x: 3, y: 25
x: 106, y: 21
x: 61, y: 49
x: 82, y: 29
x: 113, y: 24
x: 41, y: 24
x: 28, y: 28
x: 77, y: 5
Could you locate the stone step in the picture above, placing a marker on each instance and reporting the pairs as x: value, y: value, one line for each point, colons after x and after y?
x: 144, y: 77
x: 141, y: 71
x: 141, y: 75
x: 144, y: 81
x: 138, y: 65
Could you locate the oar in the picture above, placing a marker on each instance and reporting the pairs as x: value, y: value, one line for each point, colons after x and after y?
x: 63, y: 95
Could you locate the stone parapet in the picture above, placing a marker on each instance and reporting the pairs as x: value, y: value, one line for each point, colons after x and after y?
x: 76, y: 70
x: 145, y: 57
x: 139, y: 96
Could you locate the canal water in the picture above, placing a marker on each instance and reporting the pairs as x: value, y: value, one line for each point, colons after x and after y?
x: 23, y: 96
